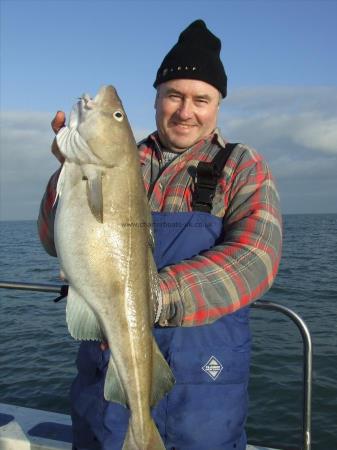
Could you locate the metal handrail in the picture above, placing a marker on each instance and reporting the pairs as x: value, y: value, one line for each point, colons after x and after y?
x: 31, y: 286
x: 259, y: 304
x: 307, y: 364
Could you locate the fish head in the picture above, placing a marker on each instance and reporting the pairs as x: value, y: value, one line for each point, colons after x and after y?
x: 103, y: 124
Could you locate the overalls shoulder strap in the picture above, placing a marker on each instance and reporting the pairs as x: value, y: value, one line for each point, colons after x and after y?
x: 207, y: 177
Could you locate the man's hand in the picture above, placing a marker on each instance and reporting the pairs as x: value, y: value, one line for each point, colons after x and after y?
x: 104, y: 346
x: 57, y: 123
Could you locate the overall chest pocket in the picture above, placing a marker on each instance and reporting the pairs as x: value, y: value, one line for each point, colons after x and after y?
x: 210, y: 366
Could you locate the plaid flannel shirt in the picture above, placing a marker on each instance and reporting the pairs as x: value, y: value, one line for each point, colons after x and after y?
x: 235, y: 272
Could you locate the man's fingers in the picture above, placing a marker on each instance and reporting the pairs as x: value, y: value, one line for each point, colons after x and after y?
x: 104, y: 346
x: 58, y: 122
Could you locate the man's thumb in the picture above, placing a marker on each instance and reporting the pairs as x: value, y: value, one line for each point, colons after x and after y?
x: 58, y: 122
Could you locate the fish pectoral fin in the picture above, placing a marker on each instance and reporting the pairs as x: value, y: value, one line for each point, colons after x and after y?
x: 113, y: 388
x: 81, y: 320
x: 95, y: 195
x: 163, y: 379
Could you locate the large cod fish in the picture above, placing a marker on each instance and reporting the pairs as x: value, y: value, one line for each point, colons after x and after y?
x: 104, y: 245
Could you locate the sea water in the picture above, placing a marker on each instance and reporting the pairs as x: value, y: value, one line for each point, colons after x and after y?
x: 37, y: 355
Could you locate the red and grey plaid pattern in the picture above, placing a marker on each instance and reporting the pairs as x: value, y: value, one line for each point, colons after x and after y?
x: 45, y: 222
x: 237, y: 271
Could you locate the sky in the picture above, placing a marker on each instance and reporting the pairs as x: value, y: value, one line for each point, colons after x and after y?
x: 279, y: 56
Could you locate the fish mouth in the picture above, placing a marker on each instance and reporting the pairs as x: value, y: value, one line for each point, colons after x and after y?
x: 107, y: 95
x: 87, y: 102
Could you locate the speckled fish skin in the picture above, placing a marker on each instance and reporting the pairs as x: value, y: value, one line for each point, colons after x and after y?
x: 103, y: 242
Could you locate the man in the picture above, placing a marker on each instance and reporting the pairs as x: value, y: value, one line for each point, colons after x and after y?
x: 218, y: 242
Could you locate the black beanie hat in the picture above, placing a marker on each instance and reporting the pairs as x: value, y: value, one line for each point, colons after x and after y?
x: 195, y: 56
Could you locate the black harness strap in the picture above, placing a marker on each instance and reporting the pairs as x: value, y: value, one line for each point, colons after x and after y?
x: 207, y: 177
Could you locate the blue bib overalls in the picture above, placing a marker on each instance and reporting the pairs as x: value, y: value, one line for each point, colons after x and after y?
x: 207, y: 407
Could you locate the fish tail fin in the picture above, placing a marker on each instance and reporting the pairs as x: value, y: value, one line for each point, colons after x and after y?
x: 155, y: 442
x: 151, y: 441
x: 163, y: 379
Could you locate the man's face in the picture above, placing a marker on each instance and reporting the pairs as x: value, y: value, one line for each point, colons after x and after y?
x: 186, y: 111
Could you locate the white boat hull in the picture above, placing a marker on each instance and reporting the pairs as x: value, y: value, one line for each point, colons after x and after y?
x: 33, y: 429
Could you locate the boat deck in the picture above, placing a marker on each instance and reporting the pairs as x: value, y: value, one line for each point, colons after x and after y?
x: 33, y: 429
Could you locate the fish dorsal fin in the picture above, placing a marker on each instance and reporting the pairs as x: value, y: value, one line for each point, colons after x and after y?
x: 81, y: 320
x: 113, y: 388
x: 162, y: 376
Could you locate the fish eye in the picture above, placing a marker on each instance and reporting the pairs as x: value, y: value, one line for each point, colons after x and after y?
x: 118, y: 115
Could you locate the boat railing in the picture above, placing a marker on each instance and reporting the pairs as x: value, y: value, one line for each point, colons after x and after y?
x: 307, y: 364
x: 259, y: 304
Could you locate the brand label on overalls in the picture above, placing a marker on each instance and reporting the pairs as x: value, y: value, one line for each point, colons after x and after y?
x: 213, y: 367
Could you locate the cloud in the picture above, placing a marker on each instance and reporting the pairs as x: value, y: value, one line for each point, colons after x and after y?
x: 295, y: 128
x: 306, y: 117
x: 306, y: 131
x: 316, y: 133
x: 26, y: 162
x: 283, y: 99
